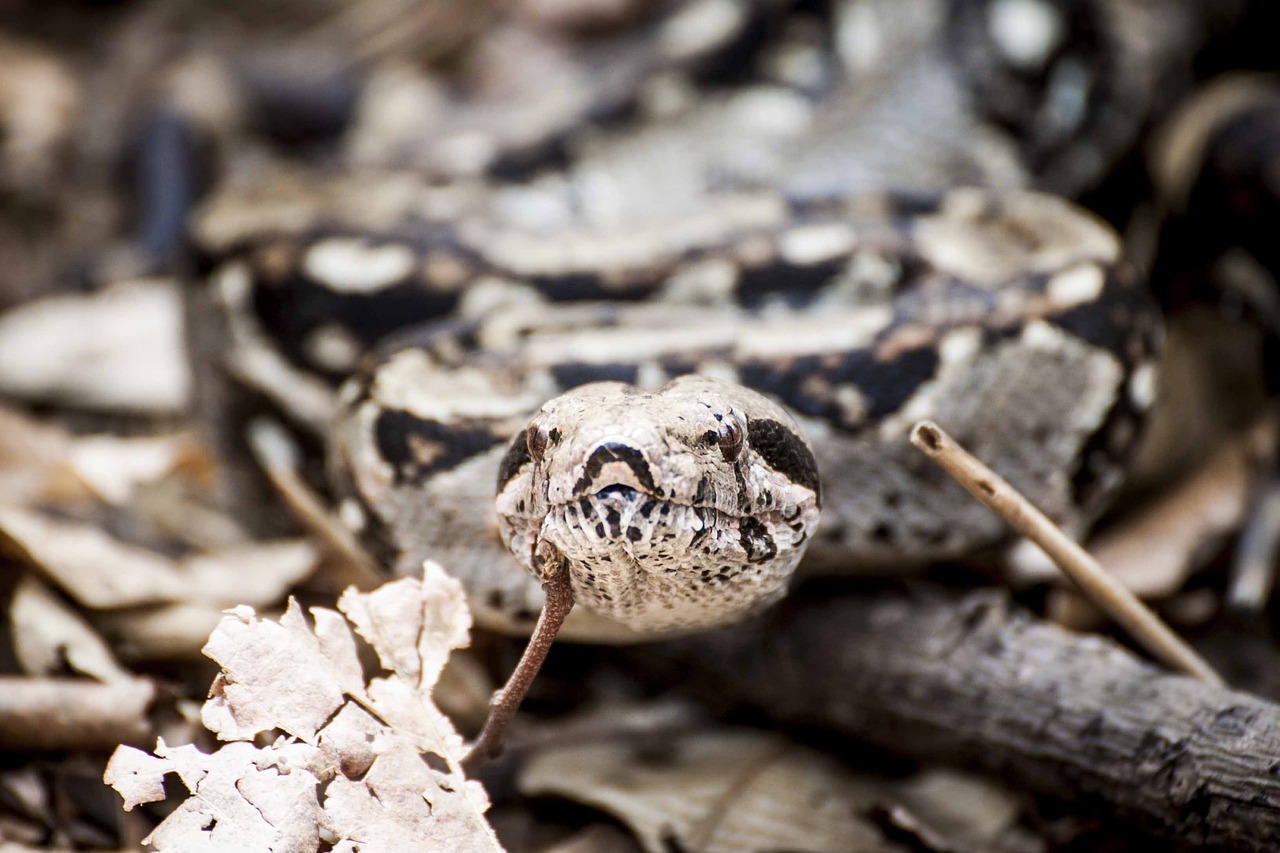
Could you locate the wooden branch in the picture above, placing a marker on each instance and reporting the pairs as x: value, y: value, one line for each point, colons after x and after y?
x: 972, y: 681
x: 1111, y: 596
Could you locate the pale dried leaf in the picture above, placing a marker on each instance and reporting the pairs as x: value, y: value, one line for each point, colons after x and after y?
x: 167, y: 632
x: 721, y: 792
x: 390, y: 759
x: 258, y: 658
x: 114, y: 467
x: 101, y: 572
x: 93, y: 568
x: 245, y: 798
x: 957, y: 812
x: 137, y: 776
x: 33, y: 462
x: 257, y: 574
x: 403, y: 803
x: 412, y: 644
x: 119, y: 349
x: 48, y: 636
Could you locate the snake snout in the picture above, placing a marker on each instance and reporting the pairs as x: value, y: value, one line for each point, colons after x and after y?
x: 613, y: 465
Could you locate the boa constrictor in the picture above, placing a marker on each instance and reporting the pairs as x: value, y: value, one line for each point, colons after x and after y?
x: 820, y: 333
x: 702, y: 199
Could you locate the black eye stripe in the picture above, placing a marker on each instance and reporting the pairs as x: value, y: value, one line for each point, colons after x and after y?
x: 785, y: 451
x: 514, y: 459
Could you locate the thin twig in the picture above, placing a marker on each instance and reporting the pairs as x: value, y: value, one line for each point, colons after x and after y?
x: 505, y: 702
x: 1103, y: 589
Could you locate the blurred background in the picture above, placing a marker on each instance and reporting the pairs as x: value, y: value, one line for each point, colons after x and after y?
x: 144, y: 144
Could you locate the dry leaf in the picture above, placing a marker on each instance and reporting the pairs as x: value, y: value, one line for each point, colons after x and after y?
x: 721, y: 792
x: 121, y: 349
x: 948, y: 810
x: 101, y: 572
x: 1155, y: 550
x: 33, y: 462
x: 48, y: 636
x: 48, y: 713
x: 93, y: 568
x: 115, y: 467
x: 167, y: 632
x: 361, y: 766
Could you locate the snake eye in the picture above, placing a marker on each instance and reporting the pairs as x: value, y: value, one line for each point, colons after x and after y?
x: 536, y: 439
x: 731, y: 440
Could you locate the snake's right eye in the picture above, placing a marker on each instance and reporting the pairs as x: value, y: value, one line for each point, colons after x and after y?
x: 536, y: 439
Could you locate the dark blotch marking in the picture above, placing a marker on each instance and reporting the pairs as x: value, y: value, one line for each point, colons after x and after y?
x: 756, y: 541
x: 580, y: 286
x: 575, y: 373
x: 401, y: 437
x: 886, y: 384
x: 293, y: 308
x: 614, y: 452
x: 793, y: 283
x: 514, y: 459
x: 614, y: 520
x: 784, y: 451
x: 702, y: 513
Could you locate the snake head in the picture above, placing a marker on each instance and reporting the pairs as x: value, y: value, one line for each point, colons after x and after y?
x: 677, y: 509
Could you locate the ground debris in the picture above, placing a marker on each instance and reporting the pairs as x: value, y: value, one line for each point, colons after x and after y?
x: 356, y: 765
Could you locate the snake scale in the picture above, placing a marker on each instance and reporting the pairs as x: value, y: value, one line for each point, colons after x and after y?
x: 678, y: 390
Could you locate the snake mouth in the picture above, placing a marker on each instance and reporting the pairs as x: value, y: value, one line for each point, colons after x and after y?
x: 620, y: 518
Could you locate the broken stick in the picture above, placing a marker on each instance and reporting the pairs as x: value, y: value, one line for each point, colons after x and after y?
x: 1112, y: 597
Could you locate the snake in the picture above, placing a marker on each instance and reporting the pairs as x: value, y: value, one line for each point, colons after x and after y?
x: 693, y: 387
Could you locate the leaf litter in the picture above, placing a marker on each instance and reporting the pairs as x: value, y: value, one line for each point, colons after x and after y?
x: 355, y: 764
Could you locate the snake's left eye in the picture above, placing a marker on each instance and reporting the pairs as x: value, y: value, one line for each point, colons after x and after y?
x: 731, y: 440
x: 536, y: 440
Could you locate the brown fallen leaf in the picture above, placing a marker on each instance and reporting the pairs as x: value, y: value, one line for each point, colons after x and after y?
x: 949, y: 810
x: 372, y: 766
x: 717, y: 792
x: 115, y: 467
x: 676, y: 783
x: 1155, y: 551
